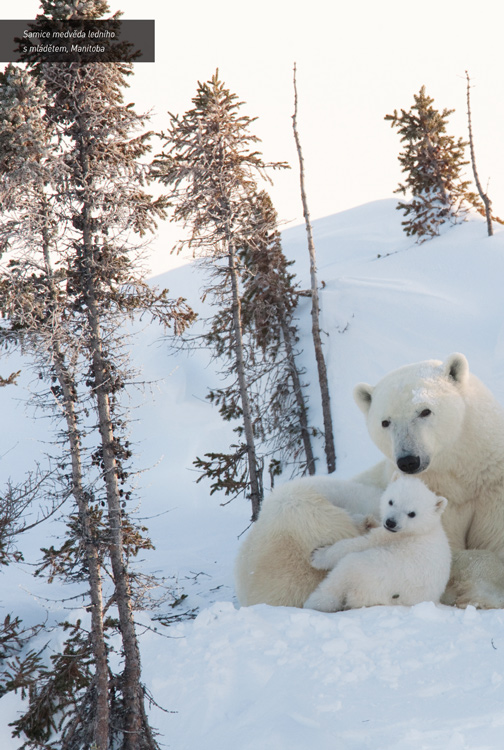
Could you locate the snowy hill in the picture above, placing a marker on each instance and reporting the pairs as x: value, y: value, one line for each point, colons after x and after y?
x: 385, y: 678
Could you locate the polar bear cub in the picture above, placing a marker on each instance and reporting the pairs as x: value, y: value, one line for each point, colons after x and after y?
x: 406, y: 560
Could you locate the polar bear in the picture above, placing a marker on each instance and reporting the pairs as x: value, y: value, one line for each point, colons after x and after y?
x: 404, y: 561
x: 274, y: 561
x: 432, y: 419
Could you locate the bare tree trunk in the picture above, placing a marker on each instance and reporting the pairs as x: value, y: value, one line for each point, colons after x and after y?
x: 303, y: 416
x: 99, y: 368
x: 101, y: 720
x: 256, y: 491
x: 132, y: 667
x: 484, y: 197
x: 100, y: 731
x: 315, y: 312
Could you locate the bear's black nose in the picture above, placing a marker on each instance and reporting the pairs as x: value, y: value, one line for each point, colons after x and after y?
x: 390, y: 524
x: 408, y: 464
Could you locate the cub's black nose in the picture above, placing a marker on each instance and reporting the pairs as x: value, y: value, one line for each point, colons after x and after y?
x: 391, y: 524
x: 408, y: 464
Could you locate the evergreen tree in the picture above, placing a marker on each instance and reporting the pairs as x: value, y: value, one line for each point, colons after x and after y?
x: 213, y: 174
x: 269, y: 303
x: 433, y: 162
x: 33, y: 300
x: 268, y: 298
x: 72, y: 197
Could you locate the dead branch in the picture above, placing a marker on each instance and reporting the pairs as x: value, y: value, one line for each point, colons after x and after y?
x: 484, y: 197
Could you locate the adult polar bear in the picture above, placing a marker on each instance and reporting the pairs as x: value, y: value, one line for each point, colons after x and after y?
x: 434, y: 419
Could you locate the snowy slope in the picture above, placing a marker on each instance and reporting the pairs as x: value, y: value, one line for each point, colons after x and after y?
x: 385, y: 678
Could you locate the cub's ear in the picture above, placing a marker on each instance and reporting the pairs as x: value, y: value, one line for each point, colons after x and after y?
x: 362, y: 394
x: 441, y: 504
x: 456, y: 368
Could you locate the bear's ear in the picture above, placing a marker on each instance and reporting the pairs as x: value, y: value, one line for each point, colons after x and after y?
x: 441, y: 504
x: 362, y: 394
x: 456, y: 368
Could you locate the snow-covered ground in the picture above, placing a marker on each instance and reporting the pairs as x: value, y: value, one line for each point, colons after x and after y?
x: 384, y: 678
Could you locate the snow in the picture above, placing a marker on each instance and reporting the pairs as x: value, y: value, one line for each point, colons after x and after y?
x: 385, y: 678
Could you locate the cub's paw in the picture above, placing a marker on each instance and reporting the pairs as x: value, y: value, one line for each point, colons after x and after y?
x: 322, y: 602
x: 320, y: 559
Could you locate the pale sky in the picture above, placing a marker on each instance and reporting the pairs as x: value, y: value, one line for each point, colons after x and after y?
x: 356, y: 63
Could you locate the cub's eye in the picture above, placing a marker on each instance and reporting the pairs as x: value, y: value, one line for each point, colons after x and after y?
x: 390, y: 502
x: 425, y: 413
x: 385, y: 423
x: 412, y: 514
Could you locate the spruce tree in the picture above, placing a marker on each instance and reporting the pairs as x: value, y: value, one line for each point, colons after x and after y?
x: 33, y: 303
x: 212, y: 169
x: 73, y: 200
x: 269, y: 299
x: 269, y: 302
x: 433, y: 163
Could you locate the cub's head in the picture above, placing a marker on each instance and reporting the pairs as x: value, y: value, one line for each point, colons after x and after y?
x: 408, y: 506
x: 415, y: 414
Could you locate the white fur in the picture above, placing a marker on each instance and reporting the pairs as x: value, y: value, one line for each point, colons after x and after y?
x: 460, y: 450
x: 404, y: 561
x: 274, y: 563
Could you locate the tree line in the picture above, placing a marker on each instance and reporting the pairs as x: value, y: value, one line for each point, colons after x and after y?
x: 76, y: 163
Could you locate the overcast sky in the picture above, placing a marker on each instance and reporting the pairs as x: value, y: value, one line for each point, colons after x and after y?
x: 356, y: 63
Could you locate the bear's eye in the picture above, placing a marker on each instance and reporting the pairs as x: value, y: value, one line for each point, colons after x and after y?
x: 412, y: 514
x: 425, y: 413
x: 385, y: 423
x: 390, y: 502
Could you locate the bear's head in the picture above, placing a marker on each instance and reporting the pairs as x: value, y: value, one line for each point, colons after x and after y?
x: 415, y: 414
x: 408, y: 506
